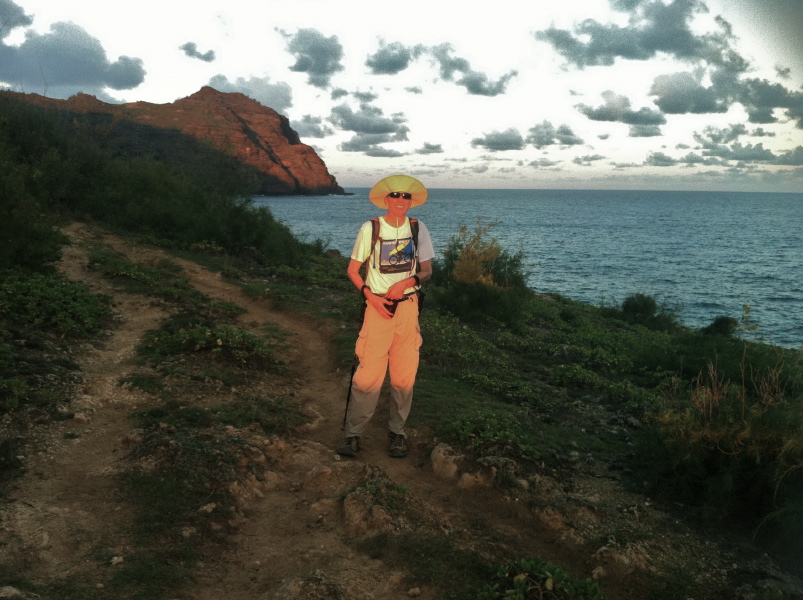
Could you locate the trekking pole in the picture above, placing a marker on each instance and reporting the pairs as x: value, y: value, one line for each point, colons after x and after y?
x: 348, y: 394
x: 361, y: 320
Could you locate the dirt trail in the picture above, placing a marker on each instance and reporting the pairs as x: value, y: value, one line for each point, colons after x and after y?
x: 296, y: 539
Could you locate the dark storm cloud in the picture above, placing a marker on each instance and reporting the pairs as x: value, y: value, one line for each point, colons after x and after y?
x: 369, y: 120
x: 500, y: 141
x: 191, y: 50
x: 316, y: 55
x: 617, y: 109
x: 545, y: 134
x: 476, y: 83
x: 428, y: 148
x: 11, y: 17
x: 311, y: 127
x: 277, y: 96
x: 392, y: 58
x: 63, y: 61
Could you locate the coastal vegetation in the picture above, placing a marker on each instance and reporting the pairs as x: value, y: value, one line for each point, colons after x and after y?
x: 713, y: 421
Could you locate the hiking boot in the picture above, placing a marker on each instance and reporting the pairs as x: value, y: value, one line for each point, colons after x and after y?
x: 351, y: 448
x: 397, y: 445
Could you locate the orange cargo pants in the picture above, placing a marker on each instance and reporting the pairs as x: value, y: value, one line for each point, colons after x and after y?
x: 385, y: 345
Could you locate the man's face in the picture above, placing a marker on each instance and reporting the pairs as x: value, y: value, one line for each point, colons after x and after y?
x: 398, y: 205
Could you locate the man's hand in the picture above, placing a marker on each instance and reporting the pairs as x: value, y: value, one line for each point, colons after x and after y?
x: 379, y: 303
x: 396, y: 291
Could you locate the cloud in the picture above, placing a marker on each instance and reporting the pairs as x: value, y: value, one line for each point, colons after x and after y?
x: 277, y: 96
x: 392, y: 58
x: 644, y: 131
x: 681, y: 93
x: 653, y: 27
x: 476, y: 83
x: 586, y: 161
x: 369, y: 144
x: 310, y: 126
x: 792, y: 157
x: 659, y: 159
x: 545, y: 134
x: 737, y: 151
x: 63, y: 61
x: 760, y: 97
x: 316, y: 55
x: 498, y: 141
x: 428, y: 148
x: 695, y: 159
x: 191, y: 50
x: 543, y: 162
x: 783, y: 72
x: 712, y: 136
x: 11, y: 17
x: 369, y: 120
x: 759, y: 132
x: 372, y: 128
x: 365, y: 97
x: 617, y: 109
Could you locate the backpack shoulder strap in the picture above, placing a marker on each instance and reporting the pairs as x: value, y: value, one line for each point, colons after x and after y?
x: 414, y: 230
x: 374, y: 236
x: 374, y: 232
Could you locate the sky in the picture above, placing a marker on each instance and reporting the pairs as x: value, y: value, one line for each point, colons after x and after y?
x: 579, y: 94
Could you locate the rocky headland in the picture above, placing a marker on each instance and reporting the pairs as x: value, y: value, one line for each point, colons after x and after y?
x: 254, y: 135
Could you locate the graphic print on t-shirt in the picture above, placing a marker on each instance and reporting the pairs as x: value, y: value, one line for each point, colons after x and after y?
x: 396, y: 256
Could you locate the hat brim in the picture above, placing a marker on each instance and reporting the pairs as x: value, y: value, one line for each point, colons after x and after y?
x: 398, y: 183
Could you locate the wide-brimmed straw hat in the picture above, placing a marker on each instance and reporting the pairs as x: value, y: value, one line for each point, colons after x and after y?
x: 398, y: 183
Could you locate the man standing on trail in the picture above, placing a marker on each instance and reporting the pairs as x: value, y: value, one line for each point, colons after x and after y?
x: 397, y: 253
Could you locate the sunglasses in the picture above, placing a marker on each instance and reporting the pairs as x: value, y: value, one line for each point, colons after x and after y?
x: 403, y: 195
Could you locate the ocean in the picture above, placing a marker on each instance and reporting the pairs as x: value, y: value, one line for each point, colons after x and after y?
x: 704, y: 254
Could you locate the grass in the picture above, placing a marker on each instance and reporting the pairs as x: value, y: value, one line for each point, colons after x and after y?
x: 721, y: 416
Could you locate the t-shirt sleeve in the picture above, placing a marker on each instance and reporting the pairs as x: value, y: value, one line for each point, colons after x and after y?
x: 425, y: 250
x: 362, y: 245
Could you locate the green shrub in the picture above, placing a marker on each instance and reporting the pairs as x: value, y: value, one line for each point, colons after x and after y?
x: 487, y: 433
x: 479, y: 280
x: 722, y: 325
x: 644, y: 310
x: 275, y: 415
x: 535, y: 579
x: 50, y: 303
x: 639, y: 307
x: 734, y: 448
x: 233, y: 345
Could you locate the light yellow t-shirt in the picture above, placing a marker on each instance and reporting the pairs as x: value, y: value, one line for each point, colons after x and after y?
x: 394, y: 257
